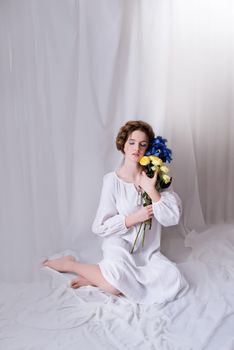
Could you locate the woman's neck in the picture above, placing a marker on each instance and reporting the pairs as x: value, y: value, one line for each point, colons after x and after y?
x: 129, y: 172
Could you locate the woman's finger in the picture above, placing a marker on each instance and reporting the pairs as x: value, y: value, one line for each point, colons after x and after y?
x: 150, y: 212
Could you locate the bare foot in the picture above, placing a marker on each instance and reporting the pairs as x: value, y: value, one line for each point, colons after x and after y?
x: 79, y: 282
x: 61, y: 264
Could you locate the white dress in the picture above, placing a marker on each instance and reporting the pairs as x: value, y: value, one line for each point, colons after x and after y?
x: 146, y: 276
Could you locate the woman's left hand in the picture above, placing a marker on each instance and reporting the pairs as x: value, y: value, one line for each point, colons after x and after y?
x: 147, y: 183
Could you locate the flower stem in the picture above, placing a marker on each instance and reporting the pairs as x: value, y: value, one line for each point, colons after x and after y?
x: 150, y: 224
x: 143, y: 238
x: 136, y: 238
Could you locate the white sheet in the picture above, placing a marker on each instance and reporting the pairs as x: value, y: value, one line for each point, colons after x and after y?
x: 49, y: 315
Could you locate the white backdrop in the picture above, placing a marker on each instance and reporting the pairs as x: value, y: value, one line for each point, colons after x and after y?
x: 71, y: 73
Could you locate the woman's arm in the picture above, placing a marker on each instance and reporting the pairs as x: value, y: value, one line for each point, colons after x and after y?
x: 140, y: 215
x: 108, y: 221
x: 168, y: 209
x: 167, y: 206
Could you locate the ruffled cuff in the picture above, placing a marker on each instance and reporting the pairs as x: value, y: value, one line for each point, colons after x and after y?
x: 113, y: 225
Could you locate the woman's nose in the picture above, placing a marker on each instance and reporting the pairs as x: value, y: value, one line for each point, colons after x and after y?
x: 137, y: 147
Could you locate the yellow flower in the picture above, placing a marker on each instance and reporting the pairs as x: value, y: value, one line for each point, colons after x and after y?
x: 156, y: 160
x: 164, y: 169
x: 166, y: 179
x: 154, y: 167
x: 145, y: 160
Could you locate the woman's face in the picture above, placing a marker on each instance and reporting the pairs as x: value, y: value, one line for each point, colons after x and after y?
x: 136, y: 145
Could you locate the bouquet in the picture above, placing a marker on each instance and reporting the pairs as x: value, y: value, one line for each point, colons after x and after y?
x: 154, y: 160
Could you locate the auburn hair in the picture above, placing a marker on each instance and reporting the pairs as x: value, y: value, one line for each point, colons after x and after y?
x: 128, y: 128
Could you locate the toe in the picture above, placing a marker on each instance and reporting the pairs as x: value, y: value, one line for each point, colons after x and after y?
x: 75, y: 280
x: 74, y: 284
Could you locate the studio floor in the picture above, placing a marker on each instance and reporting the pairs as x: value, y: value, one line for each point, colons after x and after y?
x: 49, y: 315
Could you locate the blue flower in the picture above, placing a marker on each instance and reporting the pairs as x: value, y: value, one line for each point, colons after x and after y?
x: 158, y: 148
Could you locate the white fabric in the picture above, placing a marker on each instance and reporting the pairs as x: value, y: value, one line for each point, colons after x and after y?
x: 145, y: 276
x: 52, y: 316
x: 71, y: 72
x: 69, y: 65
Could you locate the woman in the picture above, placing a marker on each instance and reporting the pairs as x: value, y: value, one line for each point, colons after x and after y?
x: 145, y: 276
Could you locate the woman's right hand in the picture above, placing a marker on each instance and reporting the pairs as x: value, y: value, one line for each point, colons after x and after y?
x: 140, y: 215
x: 144, y: 213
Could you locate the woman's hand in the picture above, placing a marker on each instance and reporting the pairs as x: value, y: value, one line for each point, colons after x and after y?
x: 147, y: 183
x: 141, y: 215
x: 144, y: 213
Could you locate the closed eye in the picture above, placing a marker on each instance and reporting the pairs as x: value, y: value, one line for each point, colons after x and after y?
x: 142, y: 144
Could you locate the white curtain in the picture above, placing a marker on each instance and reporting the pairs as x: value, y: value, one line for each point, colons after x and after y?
x: 71, y: 73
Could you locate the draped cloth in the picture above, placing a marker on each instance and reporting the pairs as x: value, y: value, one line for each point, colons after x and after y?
x: 71, y: 73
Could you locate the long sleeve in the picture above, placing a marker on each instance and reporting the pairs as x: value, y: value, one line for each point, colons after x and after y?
x: 108, y: 221
x: 168, y: 209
